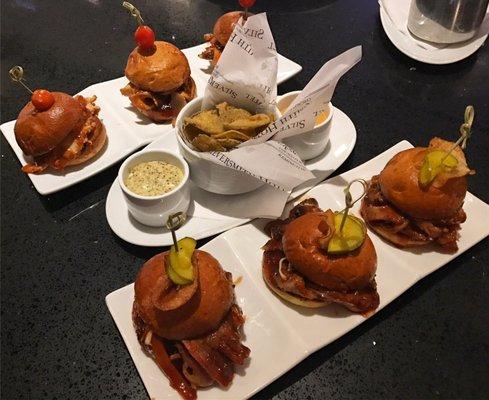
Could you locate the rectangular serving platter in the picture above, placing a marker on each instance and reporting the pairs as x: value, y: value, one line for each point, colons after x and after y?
x: 127, y: 130
x: 282, y: 332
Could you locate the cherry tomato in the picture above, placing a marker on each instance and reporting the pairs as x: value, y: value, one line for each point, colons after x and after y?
x: 144, y: 36
x: 42, y: 99
x: 246, y: 3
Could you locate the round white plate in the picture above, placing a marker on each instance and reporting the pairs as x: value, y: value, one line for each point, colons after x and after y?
x: 343, y: 137
x: 445, y: 55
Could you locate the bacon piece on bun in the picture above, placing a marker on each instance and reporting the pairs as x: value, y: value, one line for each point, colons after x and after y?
x: 193, y: 331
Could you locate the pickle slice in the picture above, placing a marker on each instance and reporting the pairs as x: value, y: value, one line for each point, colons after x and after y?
x: 180, y: 263
x: 176, y: 278
x: 350, y: 238
x: 187, y: 245
x: 433, y: 165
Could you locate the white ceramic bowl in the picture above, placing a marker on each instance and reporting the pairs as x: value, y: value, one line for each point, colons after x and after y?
x: 310, y: 144
x: 155, y: 210
x: 207, y: 175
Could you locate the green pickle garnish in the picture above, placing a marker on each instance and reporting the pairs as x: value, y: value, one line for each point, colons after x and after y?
x: 435, y: 162
x: 350, y: 238
x: 179, y: 263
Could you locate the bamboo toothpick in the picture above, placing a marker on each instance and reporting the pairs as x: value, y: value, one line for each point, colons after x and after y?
x: 17, y: 75
x: 349, y: 203
x: 174, y: 222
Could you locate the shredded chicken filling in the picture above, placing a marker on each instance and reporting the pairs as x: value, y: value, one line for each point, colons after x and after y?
x: 215, y: 46
x: 78, y: 141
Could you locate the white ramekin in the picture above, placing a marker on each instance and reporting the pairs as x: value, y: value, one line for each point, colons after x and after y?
x: 155, y: 210
x: 310, y: 144
x: 207, y: 175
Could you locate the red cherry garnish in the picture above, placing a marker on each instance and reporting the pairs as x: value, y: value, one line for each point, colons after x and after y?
x: 144, y: 36
x: 42, y: 99
x: 246, y: 3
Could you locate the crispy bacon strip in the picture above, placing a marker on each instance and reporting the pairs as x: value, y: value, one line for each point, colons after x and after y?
x: 192, y: 370
x: 204, y: 360
x: 160, y: 107
x: 177, y: 381
x: 218, y: 351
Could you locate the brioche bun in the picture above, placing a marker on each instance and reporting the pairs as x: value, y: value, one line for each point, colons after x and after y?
x: 162, y: 69
x: 202, y: 313
x: 345, y: 272
x: 38, y: 132
x: 291, y: 297
x: 224, y: 26
x: 400, y: 185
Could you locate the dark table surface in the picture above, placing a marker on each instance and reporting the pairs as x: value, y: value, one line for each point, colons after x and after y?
x: 58, y: 338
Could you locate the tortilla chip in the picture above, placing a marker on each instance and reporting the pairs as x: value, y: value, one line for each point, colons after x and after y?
x: 229, y: 113
x: 253, y: 122
x: 192, y: 132
x: 207, y: 143
x: 232, y: 134
x: 229, y: 143
x: 223, y: 127
x: 207, y: 121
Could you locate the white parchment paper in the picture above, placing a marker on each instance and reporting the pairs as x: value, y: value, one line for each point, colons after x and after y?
x: 246, y: 77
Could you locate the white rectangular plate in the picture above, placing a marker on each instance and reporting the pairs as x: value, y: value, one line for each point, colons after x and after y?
x: 127, y: 130
x: 272, y: 325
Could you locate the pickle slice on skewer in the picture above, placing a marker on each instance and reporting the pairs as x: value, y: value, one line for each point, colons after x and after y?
x: 350, y: 237
x: 435, y: 162
x: 181, y: 260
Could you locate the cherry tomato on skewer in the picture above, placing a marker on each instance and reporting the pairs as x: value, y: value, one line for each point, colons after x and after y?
x: 144, y: 36
x: 246, y: 3
x: 42, y: 99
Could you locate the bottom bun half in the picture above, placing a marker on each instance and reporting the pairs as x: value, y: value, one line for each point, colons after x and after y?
x: 292, y: 298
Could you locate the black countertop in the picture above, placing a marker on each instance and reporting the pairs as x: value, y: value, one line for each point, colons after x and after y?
x: 58, y: 338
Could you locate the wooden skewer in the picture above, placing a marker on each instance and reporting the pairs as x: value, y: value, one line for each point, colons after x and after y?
x: 349, y: 200
x: 17, y: 75
x: 174, y: 222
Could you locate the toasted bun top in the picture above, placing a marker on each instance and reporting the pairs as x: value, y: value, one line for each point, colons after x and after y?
x: 164, y: 68
x: 224, y: 26
x: 353, y: 270
x: 400, y: 185
x: 200, y: 314
x: 38, y: 132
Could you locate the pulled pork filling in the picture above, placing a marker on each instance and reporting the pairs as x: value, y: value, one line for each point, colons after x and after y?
x: 77, y: 142
x: 160, y: 107
x: 405, y: 231
x: 214, y: 50
x: 198, y: 362
x: 280, y: 272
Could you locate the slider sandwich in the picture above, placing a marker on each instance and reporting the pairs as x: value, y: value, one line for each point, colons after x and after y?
x: 310, y: 262
x: 187, y: 320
